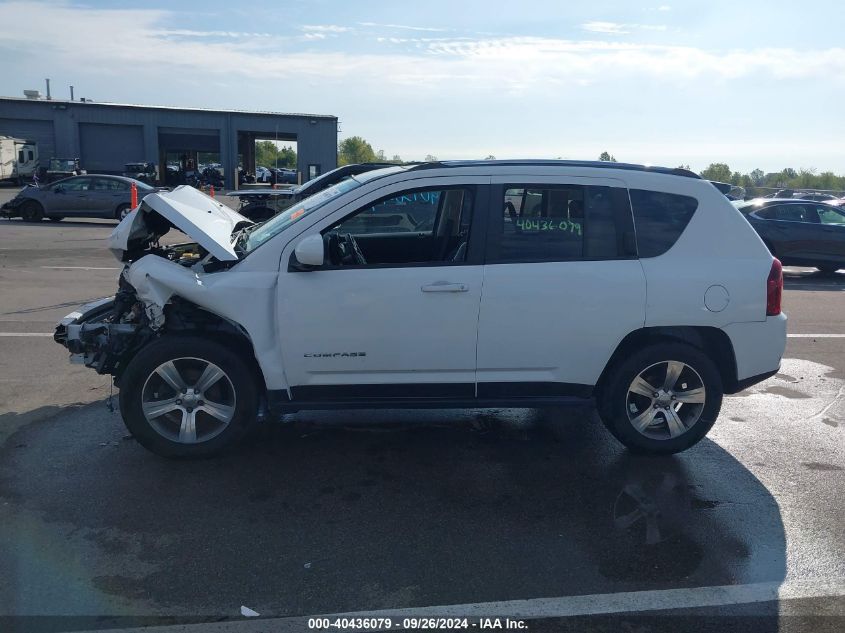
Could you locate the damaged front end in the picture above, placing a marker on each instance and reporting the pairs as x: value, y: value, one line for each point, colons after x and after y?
x: 106, y: 334
x: 102, y: 334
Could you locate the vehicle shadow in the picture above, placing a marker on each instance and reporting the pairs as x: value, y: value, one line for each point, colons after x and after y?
x: 350, y: 511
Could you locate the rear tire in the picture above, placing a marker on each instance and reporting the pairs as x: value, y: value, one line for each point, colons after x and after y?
x: 32, y: 211
x: 187, y: 396
x: 122, y: 211
x: 662, y: 399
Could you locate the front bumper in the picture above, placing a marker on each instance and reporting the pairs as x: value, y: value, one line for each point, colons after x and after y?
x: 8, y: 209
x: 92, y: 340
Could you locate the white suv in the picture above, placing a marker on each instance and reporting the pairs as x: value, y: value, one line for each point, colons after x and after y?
x: 451, y: 284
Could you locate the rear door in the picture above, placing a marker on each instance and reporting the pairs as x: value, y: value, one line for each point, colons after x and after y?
x: 106, y: 195
x: 794, y: 231
x: 562, y: 285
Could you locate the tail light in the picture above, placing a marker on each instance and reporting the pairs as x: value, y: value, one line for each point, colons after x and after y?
x: 774, y: 288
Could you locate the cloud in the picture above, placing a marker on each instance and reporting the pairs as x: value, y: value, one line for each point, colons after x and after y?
x: 325, y: 28
x: 615, y: 28
x: 404, y: 27
x: 431, y: 65
x: 191, y: 33
x: 605, y: 27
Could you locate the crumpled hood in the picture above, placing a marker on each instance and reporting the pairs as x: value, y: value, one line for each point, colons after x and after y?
x: 201, y: 217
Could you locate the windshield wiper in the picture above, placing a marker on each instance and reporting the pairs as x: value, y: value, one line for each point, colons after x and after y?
x: 239, y: 237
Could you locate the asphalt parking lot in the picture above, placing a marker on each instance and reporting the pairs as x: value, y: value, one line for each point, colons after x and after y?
x: 336, y: 512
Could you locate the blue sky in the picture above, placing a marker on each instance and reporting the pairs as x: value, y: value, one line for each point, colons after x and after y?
x: 753, y: 84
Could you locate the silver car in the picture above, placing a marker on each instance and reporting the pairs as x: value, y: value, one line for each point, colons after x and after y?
x: 89, y: 196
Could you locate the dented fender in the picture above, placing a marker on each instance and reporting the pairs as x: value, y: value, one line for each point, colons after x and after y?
x: 246, y: 299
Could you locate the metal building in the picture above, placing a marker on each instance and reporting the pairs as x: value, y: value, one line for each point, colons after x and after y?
x: 106, y: 136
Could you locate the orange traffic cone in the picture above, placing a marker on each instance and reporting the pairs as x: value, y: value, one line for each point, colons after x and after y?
x: 133, y: 195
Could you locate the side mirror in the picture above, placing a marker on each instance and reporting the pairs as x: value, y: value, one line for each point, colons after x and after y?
x: 310, y: 252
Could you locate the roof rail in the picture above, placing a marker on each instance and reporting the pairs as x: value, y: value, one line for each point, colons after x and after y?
x: 674, y: 171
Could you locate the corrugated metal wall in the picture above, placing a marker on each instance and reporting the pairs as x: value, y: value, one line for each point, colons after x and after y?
x: 32, y: 129
x: 107, y: 148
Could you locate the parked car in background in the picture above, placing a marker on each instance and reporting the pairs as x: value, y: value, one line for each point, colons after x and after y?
x: 282, y: 176
x: 799, y: 232
x: 143, y: 171
x: 369, y: 295
x: 260, y: 204
x: 262, y: 174
x: 814, y: 196
x: 90, y: 196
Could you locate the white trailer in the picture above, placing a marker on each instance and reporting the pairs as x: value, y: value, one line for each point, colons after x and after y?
x: 18, y: 159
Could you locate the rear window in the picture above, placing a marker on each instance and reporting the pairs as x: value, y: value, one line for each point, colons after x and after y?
x: 659, y: 219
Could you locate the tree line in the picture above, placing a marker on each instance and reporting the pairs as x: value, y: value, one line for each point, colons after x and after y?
x: 757, y: 182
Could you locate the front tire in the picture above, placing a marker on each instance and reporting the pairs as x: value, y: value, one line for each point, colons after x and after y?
x: 32, y: 211
x: 187, y: 396
x: 662, y: 399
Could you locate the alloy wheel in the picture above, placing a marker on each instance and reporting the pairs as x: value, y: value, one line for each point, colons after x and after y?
x: 665, y: 400
x: 188, y: 400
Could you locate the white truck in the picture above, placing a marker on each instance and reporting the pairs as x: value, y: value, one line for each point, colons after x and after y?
x: 18, y: 159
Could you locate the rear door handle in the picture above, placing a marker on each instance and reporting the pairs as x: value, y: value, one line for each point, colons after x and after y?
x: 444, y: 286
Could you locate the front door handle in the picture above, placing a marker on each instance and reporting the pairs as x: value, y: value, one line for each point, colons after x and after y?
x: 445, y: 286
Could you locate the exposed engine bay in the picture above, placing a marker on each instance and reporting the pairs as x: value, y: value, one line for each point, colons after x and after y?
x: 158, y: 281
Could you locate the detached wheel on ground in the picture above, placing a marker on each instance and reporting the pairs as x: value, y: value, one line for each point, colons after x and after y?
x: 32, y: 211
x: 662, y: 399
x: 186, y: 396
x: 122, y: 211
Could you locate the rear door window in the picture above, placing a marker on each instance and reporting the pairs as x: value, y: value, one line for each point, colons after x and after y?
x: 828, y: 215
x: 545, y: 222
x: 659, y: 219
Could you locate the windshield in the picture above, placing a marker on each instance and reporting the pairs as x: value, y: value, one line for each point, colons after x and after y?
x: 278, y: 223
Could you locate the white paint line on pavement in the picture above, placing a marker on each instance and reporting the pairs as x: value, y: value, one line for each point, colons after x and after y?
x: 632, y: 601
x: 566, y: 606
x: 22, y: 334
x: 78, y: 268
x: 815, y: 335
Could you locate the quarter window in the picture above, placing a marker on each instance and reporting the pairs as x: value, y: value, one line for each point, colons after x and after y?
x: 109, y: 185
x: 659, y: 219
x: 556, y: 223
